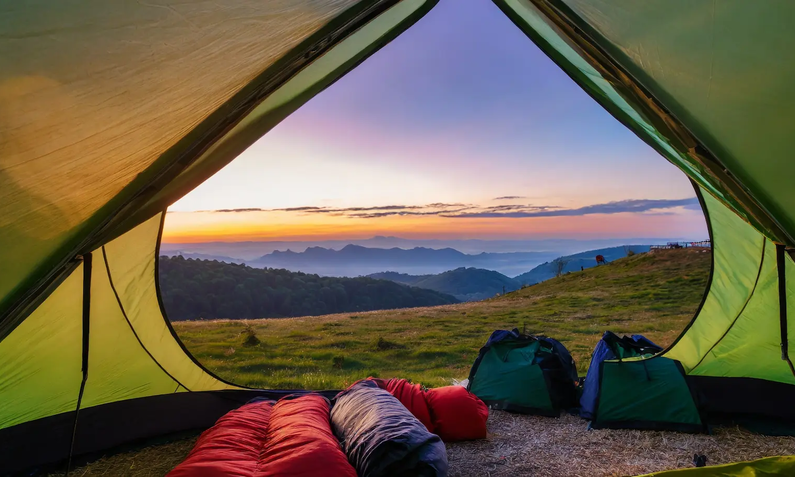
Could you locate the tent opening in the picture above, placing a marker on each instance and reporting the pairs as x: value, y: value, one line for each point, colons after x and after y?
x: 447, y: 174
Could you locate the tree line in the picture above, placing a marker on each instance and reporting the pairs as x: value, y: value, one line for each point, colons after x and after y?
x: 193, y: 289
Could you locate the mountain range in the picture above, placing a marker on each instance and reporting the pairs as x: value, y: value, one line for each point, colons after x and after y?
x: 472, y: 284
x: 250, y: 250
x: 355, y: 260
x: 467, y: 277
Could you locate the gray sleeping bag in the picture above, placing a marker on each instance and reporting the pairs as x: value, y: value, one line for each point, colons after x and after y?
x: 382, y: 438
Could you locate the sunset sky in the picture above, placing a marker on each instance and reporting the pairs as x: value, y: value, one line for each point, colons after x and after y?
x: 460, y: 128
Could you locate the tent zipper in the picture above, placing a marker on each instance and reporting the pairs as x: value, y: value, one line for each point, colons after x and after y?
x: 87, y: 265
x: 781, y: 265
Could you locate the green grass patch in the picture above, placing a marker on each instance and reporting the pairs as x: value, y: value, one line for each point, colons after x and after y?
x: 653, y: 294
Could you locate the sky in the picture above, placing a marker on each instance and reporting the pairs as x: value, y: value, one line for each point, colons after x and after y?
x: 459, y: 128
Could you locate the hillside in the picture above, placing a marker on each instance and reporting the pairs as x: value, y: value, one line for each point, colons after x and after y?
x: 577, y: 262
x: 655, y: 294
x: 466, y: 284
x: 201, y: 289
x: 355, y: 260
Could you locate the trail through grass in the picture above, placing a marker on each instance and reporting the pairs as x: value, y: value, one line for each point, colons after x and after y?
x: 655, y: 294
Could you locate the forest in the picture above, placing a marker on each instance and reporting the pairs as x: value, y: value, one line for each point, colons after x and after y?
x: 195, y: 289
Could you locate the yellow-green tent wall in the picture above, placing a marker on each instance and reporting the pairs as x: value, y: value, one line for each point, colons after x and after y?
x: 110, y: 111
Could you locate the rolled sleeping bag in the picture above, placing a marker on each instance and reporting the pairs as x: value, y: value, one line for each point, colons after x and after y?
x: 413, y: 397
x: 382, y: 438
x: 458, y: 415
x: 300, y: 442
x: 231, y: 448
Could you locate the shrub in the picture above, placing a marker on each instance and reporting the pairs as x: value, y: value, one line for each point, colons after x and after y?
x: 249, y: 336
x: 382, y: 345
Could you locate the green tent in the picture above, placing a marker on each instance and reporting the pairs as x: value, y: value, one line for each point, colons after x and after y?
x: 110, y: 111
x: 524, y: 373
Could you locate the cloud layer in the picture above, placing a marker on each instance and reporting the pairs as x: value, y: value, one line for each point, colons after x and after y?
x: 460, y: 210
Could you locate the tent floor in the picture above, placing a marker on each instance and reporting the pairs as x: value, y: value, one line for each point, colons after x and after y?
x: 528, y: 445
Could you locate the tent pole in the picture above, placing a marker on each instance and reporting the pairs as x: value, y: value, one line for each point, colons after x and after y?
x: 87, y: 265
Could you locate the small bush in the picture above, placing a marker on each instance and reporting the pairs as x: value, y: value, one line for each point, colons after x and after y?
x: 382, y: 345
x: 249, y: 336
x: 337, y: 362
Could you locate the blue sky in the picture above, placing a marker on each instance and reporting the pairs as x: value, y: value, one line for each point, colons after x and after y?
x: 460, y: 109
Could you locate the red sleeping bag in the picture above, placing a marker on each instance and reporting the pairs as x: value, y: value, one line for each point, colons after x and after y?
x: 300, y: 442
x: 458, y: 415
x: 231, y: 448
x: 413, y: 397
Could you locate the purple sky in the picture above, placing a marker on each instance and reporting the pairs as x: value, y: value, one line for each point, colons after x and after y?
x: 462, y: 108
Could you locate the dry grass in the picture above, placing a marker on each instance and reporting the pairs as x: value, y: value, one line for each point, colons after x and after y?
x: 151, y: 461
x: 545, y: 447
x: 520, y: 445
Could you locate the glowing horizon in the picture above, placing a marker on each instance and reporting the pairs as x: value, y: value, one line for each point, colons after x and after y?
x: 207, y: 226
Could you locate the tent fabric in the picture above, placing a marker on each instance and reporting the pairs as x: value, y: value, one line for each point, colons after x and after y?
x: 524, y: 373
x: 610, y: 347
x: 382, y: 438
x: 458, y: 415
x: 300, y: 443
x: 767, y: 467
x: 231, y: 447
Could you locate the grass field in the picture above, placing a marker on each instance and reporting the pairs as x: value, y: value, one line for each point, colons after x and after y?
x: 655, y: 294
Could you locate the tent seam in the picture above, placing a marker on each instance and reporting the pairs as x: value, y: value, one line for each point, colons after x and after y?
x: 708, y: 287
x: 736, y: 318
x: 165, y: 315
x: 124, y: 313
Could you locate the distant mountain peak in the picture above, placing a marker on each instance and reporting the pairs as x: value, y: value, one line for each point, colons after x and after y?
x: 354, y: 260
x: 464, y: 283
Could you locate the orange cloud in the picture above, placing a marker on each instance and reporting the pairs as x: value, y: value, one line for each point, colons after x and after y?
x: 252, y: 226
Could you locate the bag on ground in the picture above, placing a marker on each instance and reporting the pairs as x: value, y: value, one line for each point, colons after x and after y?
x: 382, y: 438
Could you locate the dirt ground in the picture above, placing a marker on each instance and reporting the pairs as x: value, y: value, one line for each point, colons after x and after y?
x: 547, y: 447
